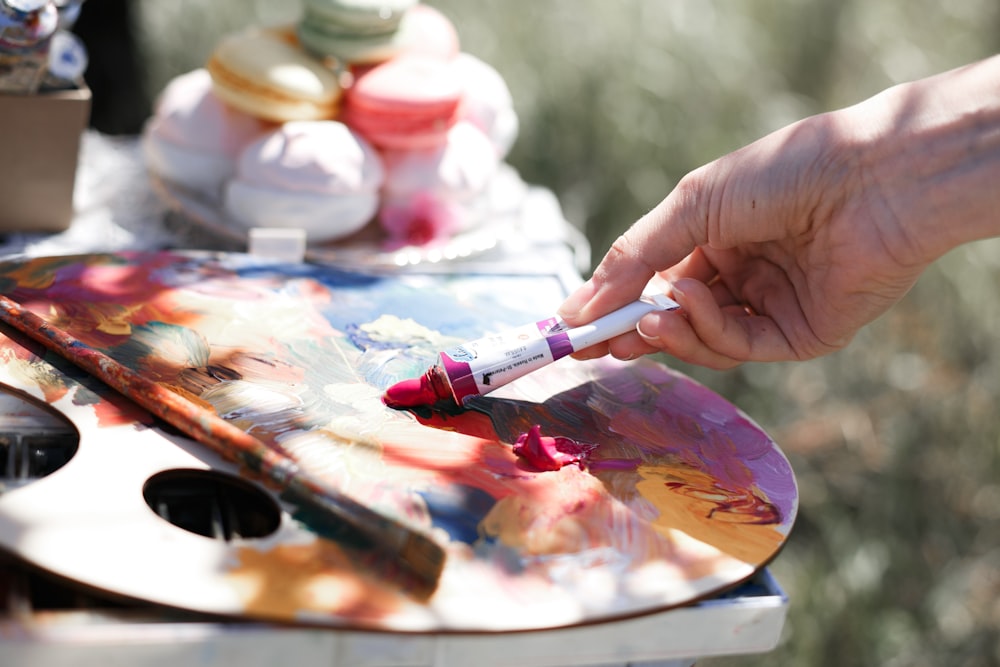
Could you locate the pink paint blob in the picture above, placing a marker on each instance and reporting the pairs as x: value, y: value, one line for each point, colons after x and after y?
x: 429, y: 389
x: 550, y: 452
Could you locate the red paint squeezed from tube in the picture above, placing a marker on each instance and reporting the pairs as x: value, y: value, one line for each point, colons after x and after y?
x: 480, y: 366
x: 540, y: 451
x: 427, y: 390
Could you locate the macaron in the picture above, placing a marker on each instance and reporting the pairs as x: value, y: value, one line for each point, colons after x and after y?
x: 193, y: 138
x: 430, y: 195
x: 364, y: 32
x: 360, y: 17
x: 425, y: 30
x: 487, y: 102
x: 265, y: 73
x: 318, y: 176
x: 407, y: 103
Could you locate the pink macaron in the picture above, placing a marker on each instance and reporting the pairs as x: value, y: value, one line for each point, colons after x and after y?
x: 407, y: 103
x: 193, y: 138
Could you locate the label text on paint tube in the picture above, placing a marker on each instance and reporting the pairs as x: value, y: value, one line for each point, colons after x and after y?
x: 494, y: 361
x: 482, y: 365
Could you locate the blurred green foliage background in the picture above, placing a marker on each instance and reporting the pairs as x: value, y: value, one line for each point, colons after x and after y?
x: 895, y: 559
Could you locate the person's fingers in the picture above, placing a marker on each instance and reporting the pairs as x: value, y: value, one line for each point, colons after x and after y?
x: 593, y: 352
x: 696, y: 265
x: 712, y: 329
x: 714, y: 335
x: 660, y: 239
x: 627, y: 346
x: 722, y: 294
x: 673, y: 334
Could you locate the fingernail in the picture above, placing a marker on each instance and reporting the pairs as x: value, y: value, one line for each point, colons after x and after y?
x: 577, y: 300
x: 643, y: 334
x: 676, y: 291
x: 587, y: 354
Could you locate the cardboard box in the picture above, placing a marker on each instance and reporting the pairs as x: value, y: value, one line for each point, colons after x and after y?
x: 39, y: 148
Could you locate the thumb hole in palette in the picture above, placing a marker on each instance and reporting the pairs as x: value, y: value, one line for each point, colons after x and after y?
x: 212, y: 504
x: 34, y: 441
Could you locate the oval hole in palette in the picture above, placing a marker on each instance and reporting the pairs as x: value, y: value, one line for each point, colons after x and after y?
x: 212, y: 504
x: 35, y: 441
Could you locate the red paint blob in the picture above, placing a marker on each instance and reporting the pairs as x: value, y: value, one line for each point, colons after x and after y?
x: 550, y: 452
x: 428, y: 389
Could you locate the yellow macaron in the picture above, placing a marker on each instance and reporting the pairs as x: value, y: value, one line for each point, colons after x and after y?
x: 264, y: 72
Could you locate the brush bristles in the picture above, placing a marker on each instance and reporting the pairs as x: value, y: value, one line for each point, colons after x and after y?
x: 425, y: 558
x: 404, y: 555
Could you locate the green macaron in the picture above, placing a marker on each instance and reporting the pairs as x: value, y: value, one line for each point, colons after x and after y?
x: 353, y: 31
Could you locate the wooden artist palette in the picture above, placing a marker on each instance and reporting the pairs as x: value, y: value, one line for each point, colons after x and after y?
x: 682, y: 497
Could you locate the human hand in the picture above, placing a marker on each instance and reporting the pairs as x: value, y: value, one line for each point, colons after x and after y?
x: 784, y: 249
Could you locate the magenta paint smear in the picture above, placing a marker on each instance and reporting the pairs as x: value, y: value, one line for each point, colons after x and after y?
x: 427, y: 390
x: 550, y: 452
x: 674, y: 494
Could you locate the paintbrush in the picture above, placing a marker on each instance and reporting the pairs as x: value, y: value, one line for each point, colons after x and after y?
x: 418, y: 555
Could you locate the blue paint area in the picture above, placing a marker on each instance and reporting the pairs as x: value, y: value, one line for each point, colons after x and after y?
x: 482, y: 304
x: 432, y: 308
x: 327, y: 275
x: 459, y: 509
x: 361, y: 340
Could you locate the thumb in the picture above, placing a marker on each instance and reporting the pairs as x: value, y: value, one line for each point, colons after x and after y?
x: 658, y: 240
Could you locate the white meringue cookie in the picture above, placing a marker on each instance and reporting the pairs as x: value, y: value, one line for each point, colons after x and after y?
x: 193, y: 138
x: 318, y: 176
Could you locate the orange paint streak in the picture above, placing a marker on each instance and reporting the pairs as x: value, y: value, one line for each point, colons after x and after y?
x: 548, y: 519
x: 104, y: 324
x: 319, y: 577
x: 690, y: 500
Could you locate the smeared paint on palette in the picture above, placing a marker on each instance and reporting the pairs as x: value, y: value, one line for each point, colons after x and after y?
x: 681, y: 495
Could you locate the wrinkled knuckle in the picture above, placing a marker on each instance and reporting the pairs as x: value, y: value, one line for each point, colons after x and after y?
x: 694, y: 194
x: 624, y: 247
x: 690, y: 187
x: 626, y: 250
